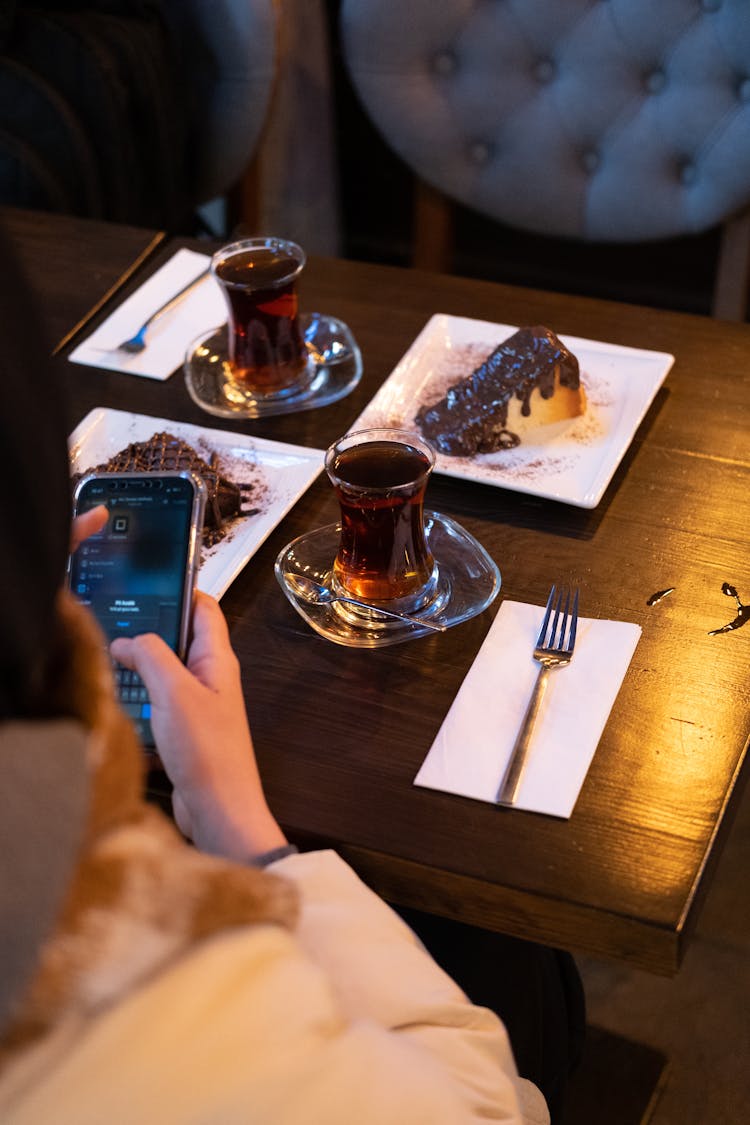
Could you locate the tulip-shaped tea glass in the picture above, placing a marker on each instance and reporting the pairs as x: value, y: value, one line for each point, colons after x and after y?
x: 269, y: 358
x: 412, y: 572
x: 380, y: 476
x: 266, y: 349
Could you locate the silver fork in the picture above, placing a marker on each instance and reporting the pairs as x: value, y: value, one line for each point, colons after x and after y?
x: 137, y: 342
x: 552, y: 650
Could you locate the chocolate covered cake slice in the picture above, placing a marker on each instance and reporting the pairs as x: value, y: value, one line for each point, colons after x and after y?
x: 529, y: 379
x: 164, y: 452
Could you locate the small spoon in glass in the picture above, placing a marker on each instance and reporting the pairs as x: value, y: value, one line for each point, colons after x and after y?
x: 315, y: 593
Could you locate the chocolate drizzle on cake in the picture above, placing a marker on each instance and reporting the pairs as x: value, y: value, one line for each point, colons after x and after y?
x: 472, y: 416
x: 163, y: 452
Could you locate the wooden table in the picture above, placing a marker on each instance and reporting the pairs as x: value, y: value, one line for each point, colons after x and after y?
x: 340, y: 733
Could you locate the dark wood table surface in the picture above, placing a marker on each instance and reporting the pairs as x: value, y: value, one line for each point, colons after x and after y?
x: 340, y: 733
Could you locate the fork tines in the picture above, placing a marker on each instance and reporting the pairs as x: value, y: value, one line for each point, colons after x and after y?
x: 562, y: 617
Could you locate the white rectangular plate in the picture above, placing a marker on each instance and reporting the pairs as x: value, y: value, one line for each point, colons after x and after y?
x: 573, y: 461
x: 278, y: 473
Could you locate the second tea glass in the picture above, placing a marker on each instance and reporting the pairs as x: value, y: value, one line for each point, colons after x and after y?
x: 380, y: 476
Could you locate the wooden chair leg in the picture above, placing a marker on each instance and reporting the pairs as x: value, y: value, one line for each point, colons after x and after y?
x: 433, y: 229
x: 732, y: 286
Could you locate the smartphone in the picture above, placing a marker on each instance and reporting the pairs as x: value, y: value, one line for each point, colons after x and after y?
x: 137, y: 575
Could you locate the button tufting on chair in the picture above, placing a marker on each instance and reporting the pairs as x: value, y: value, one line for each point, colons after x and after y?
x: 544, y: 70
x: 688, y: 173
x: 480, y: 152
x: 655, y: 81
x: 602, y: 59
x: 444, y: 63
x: 590, y: 160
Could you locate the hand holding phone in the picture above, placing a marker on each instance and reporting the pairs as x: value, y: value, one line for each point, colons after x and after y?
x: 204, y: 739
x: 137, y: 574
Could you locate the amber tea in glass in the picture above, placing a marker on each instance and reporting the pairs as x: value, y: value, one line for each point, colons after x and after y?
x: 380, y: 476
x: 266, y: 348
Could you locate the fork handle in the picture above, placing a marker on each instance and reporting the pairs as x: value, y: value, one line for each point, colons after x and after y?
x: 509, y: 786
x: 175, y: 298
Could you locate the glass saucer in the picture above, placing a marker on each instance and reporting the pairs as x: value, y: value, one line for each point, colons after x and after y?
x: 334, y: 368
x: 467, y: 582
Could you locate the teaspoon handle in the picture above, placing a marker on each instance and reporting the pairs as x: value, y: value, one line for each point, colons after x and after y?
x: 436, y: 626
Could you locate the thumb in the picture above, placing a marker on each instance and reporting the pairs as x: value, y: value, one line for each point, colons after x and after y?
x: 88, y: 524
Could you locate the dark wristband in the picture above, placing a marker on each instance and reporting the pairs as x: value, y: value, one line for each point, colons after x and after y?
x: 265, y: 858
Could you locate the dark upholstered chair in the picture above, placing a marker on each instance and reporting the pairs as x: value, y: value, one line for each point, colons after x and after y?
x: 133, y: 112
x: 601, y: 120
x: 230, y: 51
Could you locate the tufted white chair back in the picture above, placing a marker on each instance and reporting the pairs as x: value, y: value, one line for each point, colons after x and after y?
x: 602, y: 120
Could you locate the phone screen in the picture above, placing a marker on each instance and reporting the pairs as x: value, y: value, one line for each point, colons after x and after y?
x: 136, y: 574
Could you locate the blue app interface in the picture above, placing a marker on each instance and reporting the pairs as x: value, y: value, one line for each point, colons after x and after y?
x: 132, y: 573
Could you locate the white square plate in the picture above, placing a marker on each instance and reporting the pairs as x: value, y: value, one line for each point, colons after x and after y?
x: 570, y: 461
x: 278, y: 473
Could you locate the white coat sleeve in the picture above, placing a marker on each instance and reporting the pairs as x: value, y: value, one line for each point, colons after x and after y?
x: 379, y: 970
x: 348, y: 1020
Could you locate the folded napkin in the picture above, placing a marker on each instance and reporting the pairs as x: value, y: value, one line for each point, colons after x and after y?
x: 473, y: 746
x: 201, y: 309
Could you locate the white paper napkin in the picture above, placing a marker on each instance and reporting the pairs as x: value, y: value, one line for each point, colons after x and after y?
x: 473, y: 746
x: 201, y: 309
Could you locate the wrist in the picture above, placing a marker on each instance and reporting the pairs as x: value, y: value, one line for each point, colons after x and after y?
x: 242, y: 837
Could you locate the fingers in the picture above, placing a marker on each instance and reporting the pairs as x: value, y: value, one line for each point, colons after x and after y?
x: 153, y: 660
x: 209, y: 620
x: 88, y: 523
x: 148, y: 650
x: 211, y: 657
